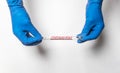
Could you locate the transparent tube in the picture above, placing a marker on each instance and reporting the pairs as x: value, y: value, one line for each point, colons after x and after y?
x: 61, y: 38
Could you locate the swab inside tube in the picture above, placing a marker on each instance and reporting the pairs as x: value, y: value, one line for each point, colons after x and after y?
x: 61, y: 38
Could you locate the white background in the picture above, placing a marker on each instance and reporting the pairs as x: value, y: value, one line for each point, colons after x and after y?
x: 61, y: 17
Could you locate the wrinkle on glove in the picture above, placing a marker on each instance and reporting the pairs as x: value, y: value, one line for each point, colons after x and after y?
x: 22, y: 26
x: 94, y: 21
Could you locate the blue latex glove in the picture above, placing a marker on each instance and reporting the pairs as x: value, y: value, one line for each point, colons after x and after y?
x: 94, y: 21
x: 21, y: 24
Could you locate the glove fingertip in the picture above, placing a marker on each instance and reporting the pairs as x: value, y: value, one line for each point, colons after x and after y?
x: 32, y: 41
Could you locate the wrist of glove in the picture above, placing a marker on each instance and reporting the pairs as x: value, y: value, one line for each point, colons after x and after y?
x: 95, y: 1
x: 15, y: 3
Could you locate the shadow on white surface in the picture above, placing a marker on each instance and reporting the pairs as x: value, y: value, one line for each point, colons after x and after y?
x: 109, y: 7
x: 102, y: 49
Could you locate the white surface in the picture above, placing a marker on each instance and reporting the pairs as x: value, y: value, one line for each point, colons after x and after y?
x: 61, y: 17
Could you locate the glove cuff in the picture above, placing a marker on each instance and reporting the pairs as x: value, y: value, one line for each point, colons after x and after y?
x: 95, y: 1
x: 15, y: 3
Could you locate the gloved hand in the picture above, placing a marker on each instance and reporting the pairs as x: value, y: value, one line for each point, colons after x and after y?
x: 94, y: 21
x: 21, y: 24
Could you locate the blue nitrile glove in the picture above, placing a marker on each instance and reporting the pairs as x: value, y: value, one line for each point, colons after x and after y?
x: 94, y: 21
x: 21, y: 23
